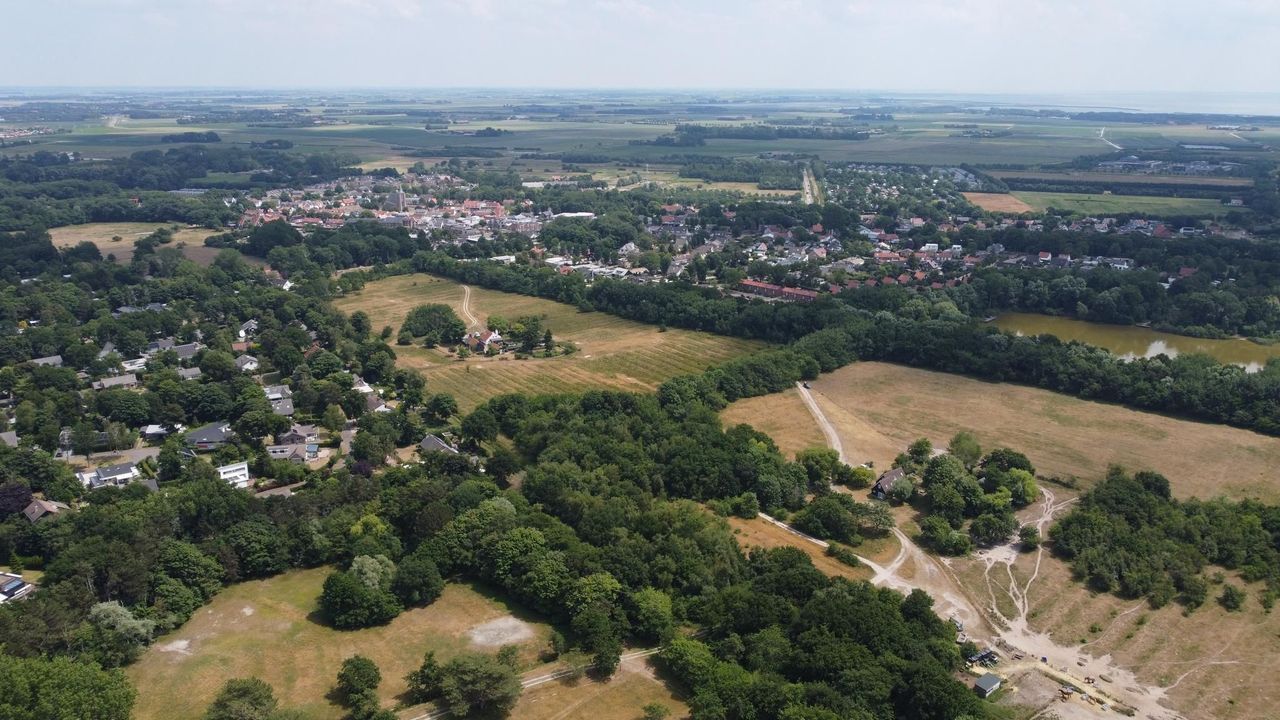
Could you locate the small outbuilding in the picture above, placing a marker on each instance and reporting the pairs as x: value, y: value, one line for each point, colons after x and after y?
x: 987, y: 684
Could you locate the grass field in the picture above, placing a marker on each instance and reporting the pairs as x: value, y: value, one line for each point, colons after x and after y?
x: 879, y: 408
x: 612, y: 352
x: 1078, y: 177
x: 998, y: 202
x: 101, y: 234
x: 1089, y: 204
x: 267, y: 629
x: 620, y: 698
x: 782, y: 416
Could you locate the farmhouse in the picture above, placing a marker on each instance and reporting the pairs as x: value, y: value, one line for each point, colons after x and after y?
x: 482, y: 342
x: 885, y: 482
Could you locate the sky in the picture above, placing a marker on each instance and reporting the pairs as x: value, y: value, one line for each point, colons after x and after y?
x: 964, y: 46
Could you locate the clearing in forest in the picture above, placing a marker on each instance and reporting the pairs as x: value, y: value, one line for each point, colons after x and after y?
x: 101, y: 234
x: 269, y: 629
x: 612, y: 353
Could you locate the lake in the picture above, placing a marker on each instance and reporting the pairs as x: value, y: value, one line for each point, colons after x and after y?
x: 1130, y: 342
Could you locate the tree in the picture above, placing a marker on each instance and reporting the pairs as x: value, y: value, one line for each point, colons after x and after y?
x: 655, y: 711
x: 992, y: 528
x: 1029, y: 537
x: 60, y: 688
x: 114, y: 635
x: 652, y: 618
x: 1232, y: 597
x: 243, y: 699
x: 441, y: 406
x: 358, y: 674
x: 436, y: 323
x: 920, y: 451
x: 964, y: 446
x: 333, y: 418
x: 417, y: 581
x: 424, y: 683
x: 349, y: 603
x: 480, y: 426
x: 15, y: 495
x: 479, y: 685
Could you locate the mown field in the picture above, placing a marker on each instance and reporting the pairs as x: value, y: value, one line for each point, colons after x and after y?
x: 102, y: 234
x: 1094, y: 204
x: 268, y: 629
x: 612, y: 352
x: 879, y: 408
x: 998, y: 202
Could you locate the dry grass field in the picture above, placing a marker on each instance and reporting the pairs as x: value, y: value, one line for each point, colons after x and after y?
x: 1209, y: 664
x: 1078, y: 176
x: 101, y: 234
x: 782, y: 416
x: 998, y: 202
x: 879, y: 408
x: 620, y: 698
x: 612, y: 352
x: 267, y: 629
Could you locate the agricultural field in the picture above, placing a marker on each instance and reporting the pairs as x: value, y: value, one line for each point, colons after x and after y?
x: 879, y: 408
x: 1103, y: 177
x: 998, y: 202
x: 191, y: 239
x: 268, y: 629
x: 1103, y: 204
x: 611, y: 352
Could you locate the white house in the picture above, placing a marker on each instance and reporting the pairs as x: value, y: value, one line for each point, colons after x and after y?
x: 247, y: 363
x: 121, y: 474
x: 237, y: 474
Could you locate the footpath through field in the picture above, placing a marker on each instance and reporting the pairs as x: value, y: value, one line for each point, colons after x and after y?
x: 914, y: 568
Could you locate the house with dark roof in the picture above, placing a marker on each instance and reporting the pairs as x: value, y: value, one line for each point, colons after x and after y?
x: 247, y: 363
x: 885, y: 483
x: 299, y: 435
x: 38, y: 509
x: 117, y: 475
x: 211, y: 436
x: 190, y: 373
x: 295, y: 453
x: 188, y: 351
x: 433, y: 443
x: 282, y: 406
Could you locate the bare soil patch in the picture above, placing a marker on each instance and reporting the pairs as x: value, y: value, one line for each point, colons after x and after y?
x: 998, y: 202
x: 501, y: 631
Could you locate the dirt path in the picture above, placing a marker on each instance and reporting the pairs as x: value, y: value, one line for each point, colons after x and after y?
x: 914, y: 568
x: 833, y: 438
x: 1102, y: 135
x: 810, y: 186
x: 540, y: 676
x: 470, y: 319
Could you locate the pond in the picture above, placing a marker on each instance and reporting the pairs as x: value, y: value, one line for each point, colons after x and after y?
x: 1130, y: 341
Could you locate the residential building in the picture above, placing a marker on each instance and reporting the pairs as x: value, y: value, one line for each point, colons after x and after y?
x: 211, y: 436
x: 128, y: 380
x: 13, y: 587
x: 299, y: 435
x: 38, y: 509
x: 247, y: 363
x: 433, y: 443
x: 50, y: 361
x: 120, y: 474
x: 282, y: 406
x: 9, y: 438
x: 236, y: 474
x: 190, y: 373
x: 296, y: 453
x: 987, y: 684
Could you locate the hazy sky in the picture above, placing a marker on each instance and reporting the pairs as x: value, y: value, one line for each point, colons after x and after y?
x: 920, y: 45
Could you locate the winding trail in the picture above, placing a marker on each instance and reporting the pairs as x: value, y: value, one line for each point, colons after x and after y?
x: 1013, y: 635
x: 471, y: 319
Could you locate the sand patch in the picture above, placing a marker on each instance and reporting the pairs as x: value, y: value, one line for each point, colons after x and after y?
x: 502, y: 631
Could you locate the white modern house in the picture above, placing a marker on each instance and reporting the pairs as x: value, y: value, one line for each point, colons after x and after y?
x: 236, y: 474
